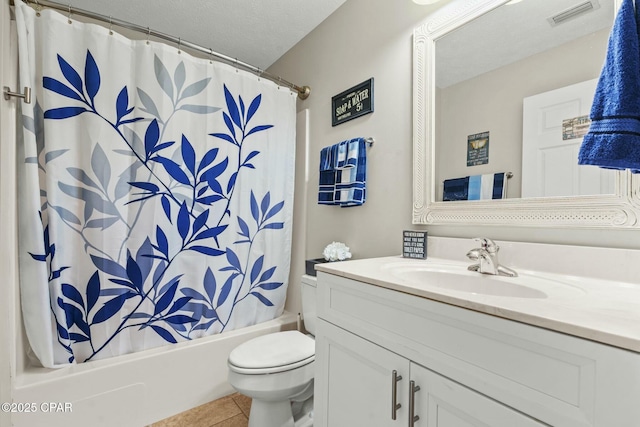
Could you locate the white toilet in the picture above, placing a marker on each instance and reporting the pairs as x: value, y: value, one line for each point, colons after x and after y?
x: 276, y: 371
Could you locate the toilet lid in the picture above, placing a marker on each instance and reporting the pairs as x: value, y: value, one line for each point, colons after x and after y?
x: 273, y: 350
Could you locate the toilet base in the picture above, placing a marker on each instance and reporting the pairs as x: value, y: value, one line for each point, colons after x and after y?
x: 303, y: 413
x: 270, y: 414
x: 279, y: 414
x: 298, y: 413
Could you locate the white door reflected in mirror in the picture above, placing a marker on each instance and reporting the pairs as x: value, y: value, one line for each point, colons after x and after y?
x: 549, y: 165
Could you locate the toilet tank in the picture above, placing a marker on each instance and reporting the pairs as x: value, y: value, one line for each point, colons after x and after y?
x: 308, y: 292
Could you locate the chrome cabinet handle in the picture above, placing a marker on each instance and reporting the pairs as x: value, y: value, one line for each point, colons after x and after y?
x: 394, y: 394
x: 412, y: 402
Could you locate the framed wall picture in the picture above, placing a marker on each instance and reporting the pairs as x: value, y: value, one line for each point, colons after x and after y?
x: 478, y: 149
x: 352, y: 103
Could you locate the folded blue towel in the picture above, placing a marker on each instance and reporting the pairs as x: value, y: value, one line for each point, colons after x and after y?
x: 355, y: 148
x: 613, y: 140
x: 351, y: 176
x: 475, y: 187
x: 327, y: 159
x: 343, y: 174
x: 341, y: 158
x: 327, y: 185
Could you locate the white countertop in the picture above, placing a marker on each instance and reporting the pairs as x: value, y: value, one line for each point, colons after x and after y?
x: 600, y: 310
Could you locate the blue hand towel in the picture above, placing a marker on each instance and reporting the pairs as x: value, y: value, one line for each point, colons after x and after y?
x: 341, y: 158
x: 327, y: 185
x: 326, y: 159
x: 351, y: 174
x: 343, y: 174
x: 354, y: 153
x: 613, y: 140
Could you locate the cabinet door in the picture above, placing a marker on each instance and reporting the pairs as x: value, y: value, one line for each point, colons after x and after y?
x: 353, y: 385
x: 441, y: 402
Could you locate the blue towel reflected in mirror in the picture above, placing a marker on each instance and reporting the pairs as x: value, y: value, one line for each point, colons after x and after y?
x: 475, y: 187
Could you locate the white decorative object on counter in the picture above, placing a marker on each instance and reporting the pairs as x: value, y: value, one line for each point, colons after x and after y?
x: 336, y: 251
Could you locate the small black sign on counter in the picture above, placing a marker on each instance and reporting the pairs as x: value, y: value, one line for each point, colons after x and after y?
x: 352, y: 103
x: 414, y: 244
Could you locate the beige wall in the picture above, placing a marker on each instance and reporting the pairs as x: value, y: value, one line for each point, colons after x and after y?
x: 373, y: 38
x: 363, y: 39
x: 493, y: 102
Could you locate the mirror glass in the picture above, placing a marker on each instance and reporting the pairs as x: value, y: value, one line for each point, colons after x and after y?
x: 513, y: 91
x: 468, y: 123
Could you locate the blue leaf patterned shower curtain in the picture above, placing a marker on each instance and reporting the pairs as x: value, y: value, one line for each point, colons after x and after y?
x: 156, y: 193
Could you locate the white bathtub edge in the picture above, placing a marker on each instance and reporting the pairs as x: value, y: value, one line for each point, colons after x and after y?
x: 147, y: 386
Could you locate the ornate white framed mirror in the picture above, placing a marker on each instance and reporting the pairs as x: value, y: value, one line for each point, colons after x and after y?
x: 501, y: 74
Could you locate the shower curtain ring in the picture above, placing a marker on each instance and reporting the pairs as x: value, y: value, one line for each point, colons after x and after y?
x: 110, y: 26
x: 236, y: 65
x: 38, y: 8
x: 179, y: 43
x: 148, y: 34
x: 69, y: 15
x: 211, y: 54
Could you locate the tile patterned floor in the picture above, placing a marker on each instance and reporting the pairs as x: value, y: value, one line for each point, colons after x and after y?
x: 229, y: 411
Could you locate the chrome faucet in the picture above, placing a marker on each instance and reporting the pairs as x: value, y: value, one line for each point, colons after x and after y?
x: 487, y: 257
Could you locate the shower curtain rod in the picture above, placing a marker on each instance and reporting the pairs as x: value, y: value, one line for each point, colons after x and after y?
x: 303, y: 92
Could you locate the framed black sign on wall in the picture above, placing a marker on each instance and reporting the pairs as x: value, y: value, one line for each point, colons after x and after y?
x: 352, y: 103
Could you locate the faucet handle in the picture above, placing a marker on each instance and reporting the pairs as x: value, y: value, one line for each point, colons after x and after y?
x: 488, y: 244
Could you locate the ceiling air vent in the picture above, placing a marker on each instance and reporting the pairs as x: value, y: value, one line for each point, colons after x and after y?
x: 572, y: 12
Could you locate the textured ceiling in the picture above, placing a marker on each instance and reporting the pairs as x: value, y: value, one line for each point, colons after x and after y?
x: 257, y: 32
x: 510, y: 33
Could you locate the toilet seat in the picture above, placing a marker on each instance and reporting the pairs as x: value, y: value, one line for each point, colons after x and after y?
x: 273, y: 353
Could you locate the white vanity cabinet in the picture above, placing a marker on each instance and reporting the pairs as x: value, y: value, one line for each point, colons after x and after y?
x: 355, y: 377
x: 358, y: 378
x: 472, y: 369
x: 440, y: 402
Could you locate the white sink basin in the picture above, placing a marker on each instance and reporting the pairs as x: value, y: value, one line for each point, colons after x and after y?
x: 457, y: 278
